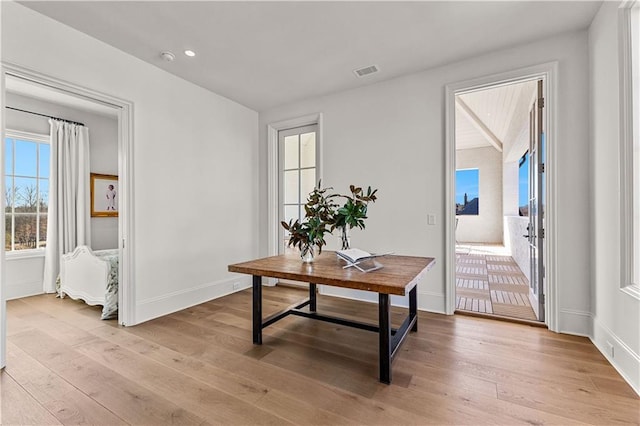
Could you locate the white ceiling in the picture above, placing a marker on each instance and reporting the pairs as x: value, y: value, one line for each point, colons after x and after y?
x: 264, y: 54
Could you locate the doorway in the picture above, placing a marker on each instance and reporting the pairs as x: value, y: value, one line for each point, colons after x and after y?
x: 498, y: 227
x: 49, y: 89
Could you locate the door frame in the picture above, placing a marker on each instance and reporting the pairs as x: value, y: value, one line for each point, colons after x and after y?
x: 548, y: 72
x: 273, y: 174
x: 535, y: 228
x: 125, y: 173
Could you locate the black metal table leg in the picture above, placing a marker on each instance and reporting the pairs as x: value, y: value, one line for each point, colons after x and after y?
x: 413, y: 306
x: 385, y: 338
x: 312, y: 297
x: 257, y: 309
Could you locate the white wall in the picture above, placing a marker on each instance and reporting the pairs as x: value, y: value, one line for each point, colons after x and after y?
x: 391, y: 136
x: 510, y: 188
x: 24, y: 274
x: 616, y: 315
x: 517, y: 245
x: 486, y: 227
x: 195, y: 208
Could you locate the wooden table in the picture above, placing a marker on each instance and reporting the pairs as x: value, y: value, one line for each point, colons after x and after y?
x: 399, y: 276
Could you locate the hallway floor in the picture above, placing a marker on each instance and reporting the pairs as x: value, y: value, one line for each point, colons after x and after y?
x: 488, y: 281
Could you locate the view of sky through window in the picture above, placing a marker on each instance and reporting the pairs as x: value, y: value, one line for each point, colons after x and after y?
x: 523, y: 182
x: 467, y: 191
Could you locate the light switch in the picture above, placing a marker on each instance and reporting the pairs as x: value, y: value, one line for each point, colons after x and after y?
x: 431, y: 219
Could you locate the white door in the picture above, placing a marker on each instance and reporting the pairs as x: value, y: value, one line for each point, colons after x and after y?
x: 536, y: 203
x: 298, y: 175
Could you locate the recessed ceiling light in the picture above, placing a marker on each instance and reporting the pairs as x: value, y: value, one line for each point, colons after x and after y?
x: 190, y: 53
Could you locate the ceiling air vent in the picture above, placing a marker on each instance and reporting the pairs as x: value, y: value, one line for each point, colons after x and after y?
x: 361, y: 72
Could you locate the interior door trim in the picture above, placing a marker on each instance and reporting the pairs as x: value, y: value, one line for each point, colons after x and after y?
x: 547, y: 71
x: 124, y: 109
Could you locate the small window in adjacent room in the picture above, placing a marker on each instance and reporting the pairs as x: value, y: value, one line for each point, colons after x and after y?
x: 26, y: 190
x: 467, y: 191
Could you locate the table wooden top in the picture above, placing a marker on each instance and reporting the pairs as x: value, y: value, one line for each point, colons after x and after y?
x: 398, y: 275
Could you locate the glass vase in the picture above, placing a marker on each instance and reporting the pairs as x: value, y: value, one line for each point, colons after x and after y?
x: 345, y: 239
x: 306, y: 253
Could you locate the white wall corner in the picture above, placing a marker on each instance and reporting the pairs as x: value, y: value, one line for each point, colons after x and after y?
x: 619, y: 355
x: 166, y: 304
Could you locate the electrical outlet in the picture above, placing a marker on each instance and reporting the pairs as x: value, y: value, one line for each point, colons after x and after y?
x: 236, y: 286
x: 611, y: 351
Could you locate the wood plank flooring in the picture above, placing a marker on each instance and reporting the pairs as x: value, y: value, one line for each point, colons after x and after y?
x: 198, y: 366
x: 492, y: 284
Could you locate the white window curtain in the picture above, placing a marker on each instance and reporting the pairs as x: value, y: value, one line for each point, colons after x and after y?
x: 68, y: 219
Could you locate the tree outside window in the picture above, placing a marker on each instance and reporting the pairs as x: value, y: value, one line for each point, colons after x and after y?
x: 26, y: 191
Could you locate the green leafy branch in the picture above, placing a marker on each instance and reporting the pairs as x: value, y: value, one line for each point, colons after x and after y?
x: 353, y: 213
x: 323, y: 215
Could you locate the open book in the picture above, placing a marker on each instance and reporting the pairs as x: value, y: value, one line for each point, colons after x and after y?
x: 360, y: 259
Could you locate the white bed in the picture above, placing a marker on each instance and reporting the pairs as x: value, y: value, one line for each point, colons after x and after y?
x: 91, y: 276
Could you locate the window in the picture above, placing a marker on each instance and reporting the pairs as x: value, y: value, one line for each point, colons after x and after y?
x: 630, y: 145
x: 26, y: 190
x: 298, y: 171
x: 523, y: 185
x: 467, y: 191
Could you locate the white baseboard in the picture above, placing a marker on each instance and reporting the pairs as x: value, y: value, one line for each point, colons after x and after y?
x: 619, y: 355
x: 361, y: 295
x: 155, y: 307
x: 575, y: 322
x: 269, y: 282
x: 430, y: 302
x: 26, y: 289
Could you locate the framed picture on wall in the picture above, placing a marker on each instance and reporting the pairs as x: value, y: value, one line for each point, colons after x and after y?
x: 104, y: 195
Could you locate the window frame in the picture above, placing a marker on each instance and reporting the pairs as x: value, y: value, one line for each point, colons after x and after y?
x: 273, y: 227
x: 282, y: 135
x: 39, y: 139
x: 629, y: 68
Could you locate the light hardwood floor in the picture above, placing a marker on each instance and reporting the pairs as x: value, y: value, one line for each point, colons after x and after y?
x: 198, y: 366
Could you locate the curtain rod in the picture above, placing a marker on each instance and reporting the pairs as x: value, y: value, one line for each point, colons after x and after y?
x: 48, y: 116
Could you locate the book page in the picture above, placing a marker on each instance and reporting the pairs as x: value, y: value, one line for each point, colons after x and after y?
x: 353, y: 254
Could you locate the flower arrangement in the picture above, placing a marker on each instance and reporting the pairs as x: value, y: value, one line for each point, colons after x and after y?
x: 323, y: 215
